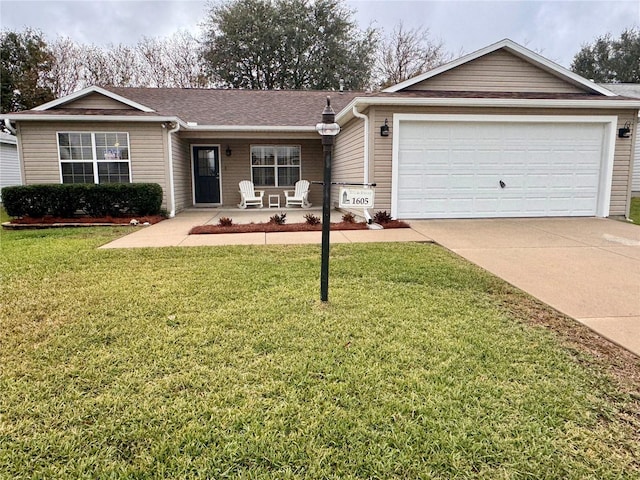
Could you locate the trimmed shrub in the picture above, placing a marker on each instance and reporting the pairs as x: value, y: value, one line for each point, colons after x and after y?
x: 225, y: 222
x: 115, y: 199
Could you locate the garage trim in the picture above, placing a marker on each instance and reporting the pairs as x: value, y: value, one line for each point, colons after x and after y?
x: 606, y: 168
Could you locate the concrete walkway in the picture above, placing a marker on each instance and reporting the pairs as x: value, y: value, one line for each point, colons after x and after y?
x: 587, y: 268
x: 175, y: 231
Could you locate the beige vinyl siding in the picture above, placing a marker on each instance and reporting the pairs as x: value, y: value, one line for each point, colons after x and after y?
x: 181, y: 173
x: 621, y: 182
x: 96, y: 101
x: 9, y: 161
x: 348, y: 153
x: 237, y: 167
x: 40, y: 149
x: 622, y: 167
x: 499, y: 71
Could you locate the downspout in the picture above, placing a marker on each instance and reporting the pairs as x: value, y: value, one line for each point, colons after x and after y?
x: 172, y: 193
x: 357, y: 114
x: 7, y: 124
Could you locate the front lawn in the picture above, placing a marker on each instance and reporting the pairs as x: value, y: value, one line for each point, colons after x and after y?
x: 222, y: 363
x: 634, y: 214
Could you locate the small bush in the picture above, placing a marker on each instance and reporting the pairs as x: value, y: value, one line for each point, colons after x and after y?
x: 225, y: 222
x: 382, y: 217
x: 349, y: 218
x: 278, y: 219
x: 311, y: 219
x: 64, y: 200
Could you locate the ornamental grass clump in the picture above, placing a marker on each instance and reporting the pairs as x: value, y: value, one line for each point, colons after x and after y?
x: 382, y: 217
x: 225, y: 222
x: 278, y: 219
x: 311, y: 219
x: 348, y: 218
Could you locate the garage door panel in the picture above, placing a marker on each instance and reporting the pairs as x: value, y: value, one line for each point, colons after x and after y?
x: 548, y: 169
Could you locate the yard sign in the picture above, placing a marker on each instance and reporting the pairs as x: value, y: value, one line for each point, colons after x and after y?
x: 356, y: 197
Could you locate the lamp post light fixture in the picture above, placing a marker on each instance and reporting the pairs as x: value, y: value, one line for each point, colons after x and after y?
x: 328, y: 129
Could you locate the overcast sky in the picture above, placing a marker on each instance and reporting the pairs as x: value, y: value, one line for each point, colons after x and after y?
x: 556, y: 29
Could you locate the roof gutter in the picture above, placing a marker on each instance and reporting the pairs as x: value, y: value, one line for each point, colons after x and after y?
x: 92, y: 118
x: 250, y: 128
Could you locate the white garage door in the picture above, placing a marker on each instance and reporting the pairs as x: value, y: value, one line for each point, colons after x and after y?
x: 470, y: 169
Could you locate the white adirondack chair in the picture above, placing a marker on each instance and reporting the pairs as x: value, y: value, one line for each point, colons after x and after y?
x: 250, y: 196
x: 299, y: 196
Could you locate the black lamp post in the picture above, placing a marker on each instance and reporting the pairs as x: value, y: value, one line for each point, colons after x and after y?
x: 328, y: 129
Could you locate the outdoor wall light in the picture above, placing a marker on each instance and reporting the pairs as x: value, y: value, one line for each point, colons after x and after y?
x: 625, y: 131
x: 384, y: 129
x: 228, y: 151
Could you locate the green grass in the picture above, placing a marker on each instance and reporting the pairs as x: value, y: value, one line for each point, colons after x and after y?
x: 634, y: 214
x: 3, y: 216
x: 222, y: 363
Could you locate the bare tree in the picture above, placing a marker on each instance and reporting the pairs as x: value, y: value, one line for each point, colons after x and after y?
x: 174, y: 61
x: 67, y: 68
x: 407, y: 53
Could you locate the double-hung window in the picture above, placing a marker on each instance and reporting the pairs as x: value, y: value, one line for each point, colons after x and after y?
x: 94, y: 157
x: 275, y: 165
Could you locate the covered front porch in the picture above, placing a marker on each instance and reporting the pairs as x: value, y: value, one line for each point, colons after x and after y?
x: 207, y: 169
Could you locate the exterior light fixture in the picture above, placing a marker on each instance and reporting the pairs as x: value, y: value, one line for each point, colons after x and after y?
x: 228, y: 151
x: 328, y: 129
x: 625, y: 131
x: 384, y: 129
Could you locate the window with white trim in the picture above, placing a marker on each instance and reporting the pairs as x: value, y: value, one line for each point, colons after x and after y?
x: 87, y: 157
x: 275, y: 165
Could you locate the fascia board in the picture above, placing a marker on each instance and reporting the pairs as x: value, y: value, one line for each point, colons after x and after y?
x: 516, y: 49
x: 86, y: 91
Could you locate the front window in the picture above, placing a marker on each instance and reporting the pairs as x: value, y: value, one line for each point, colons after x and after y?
x: 94, y: 157
x: 275, y: 165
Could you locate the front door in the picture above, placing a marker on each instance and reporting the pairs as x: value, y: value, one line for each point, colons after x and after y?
x: 206, y: 174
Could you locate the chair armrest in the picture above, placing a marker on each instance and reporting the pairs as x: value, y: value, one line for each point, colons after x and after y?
x: 260, y: 193
x: 289, y: 193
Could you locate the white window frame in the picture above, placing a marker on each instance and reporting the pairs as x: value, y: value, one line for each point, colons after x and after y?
x: 275, y: 166
x: 95, y: 160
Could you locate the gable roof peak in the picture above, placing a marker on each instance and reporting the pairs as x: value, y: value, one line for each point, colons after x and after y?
x: 88, y: 91
x: 517, y: 50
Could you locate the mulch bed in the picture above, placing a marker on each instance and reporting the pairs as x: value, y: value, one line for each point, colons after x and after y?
x: 84, y: 221
x: 291, y: 227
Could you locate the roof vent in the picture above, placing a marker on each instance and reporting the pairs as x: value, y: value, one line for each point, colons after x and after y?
x: 342, y: 85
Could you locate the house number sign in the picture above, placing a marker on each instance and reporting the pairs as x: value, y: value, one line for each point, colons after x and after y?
x: 351, y: 197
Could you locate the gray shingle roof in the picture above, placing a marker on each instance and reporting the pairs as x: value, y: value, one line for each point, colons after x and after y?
x: 238, y: 107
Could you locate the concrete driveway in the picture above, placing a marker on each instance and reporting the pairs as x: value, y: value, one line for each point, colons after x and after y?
x: 587, y: 268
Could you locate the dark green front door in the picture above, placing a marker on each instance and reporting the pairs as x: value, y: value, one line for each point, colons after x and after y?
x: 206, y: 174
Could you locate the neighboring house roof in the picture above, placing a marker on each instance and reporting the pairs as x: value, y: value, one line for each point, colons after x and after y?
x: 517, y: 50
x: 626, y: 89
